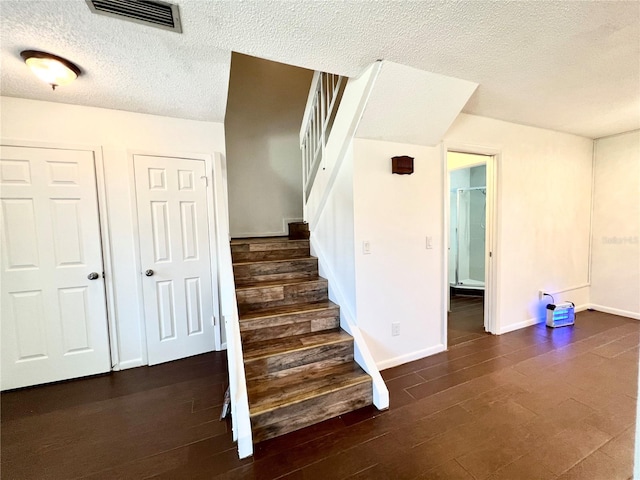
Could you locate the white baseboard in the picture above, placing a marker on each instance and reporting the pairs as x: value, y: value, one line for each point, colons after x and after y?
x: 276, y: 233
x: 410, y: 357
x: 616, y: 311
x: 280, y: 233
x: 518, y: 325
x: 533, y: 321
x: 287, y: 221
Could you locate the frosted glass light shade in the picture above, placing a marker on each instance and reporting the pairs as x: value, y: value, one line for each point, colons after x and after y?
x: 50, y: 68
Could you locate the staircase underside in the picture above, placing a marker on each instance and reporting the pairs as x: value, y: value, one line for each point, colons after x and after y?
x: 298, y: 362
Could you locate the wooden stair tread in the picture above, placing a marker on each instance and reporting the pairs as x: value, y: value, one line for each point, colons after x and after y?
x: 272, y: 261
x: 277, y: 283
x: 288, y: 310
x: 275, y: 391
x: 299, y: 364
x: 277, y: 346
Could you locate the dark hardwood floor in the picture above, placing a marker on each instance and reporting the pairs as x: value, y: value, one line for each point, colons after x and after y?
x: 532, y: 404
x: 465, y: 321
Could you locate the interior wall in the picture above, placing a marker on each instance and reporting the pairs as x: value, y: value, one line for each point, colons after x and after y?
x: 265, y: 106
x: 117, y: 133
x: 543, y: 229
x: 400, y: 280
x: 332, y: 240
x: 615, y: 274
x: 543, y: 213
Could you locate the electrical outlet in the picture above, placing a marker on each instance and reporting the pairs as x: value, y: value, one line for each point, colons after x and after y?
x: 429, y: 242
x: 395, y: 329
x: 366, y: 247
x: 540, y: 294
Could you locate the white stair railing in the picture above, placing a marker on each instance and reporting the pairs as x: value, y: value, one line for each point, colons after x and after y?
x: 322, y: 104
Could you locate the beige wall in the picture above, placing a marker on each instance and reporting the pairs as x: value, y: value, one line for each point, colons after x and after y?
x: 116, y: 133
x: 264, y: 114
x: 615, y: 275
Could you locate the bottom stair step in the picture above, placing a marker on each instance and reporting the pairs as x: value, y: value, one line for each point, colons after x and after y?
x: 283, y: 403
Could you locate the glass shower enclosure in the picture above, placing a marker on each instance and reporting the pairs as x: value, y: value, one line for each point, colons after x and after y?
x: 468, y: 241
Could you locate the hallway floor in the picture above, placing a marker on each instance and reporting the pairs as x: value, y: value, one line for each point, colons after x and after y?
x: 466, y: 319
x: 532, y: 404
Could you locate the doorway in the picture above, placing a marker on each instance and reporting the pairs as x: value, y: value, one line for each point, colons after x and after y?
x: 470, y: 180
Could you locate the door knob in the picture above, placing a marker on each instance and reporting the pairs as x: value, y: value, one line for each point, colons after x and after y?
x: 93, y: 276
x: 149, y: 273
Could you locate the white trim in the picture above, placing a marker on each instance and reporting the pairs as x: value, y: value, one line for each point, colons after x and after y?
x: 569, y: 289
x: 591, y: 208
x: 105, y: 232
x: 615, y: 311
x: 410, y: 357
x: 492, y: 295
x: 221, y: 231
x: 534, y: 321
x: 512, y: 327
x: 362, y: 355
x: 279, y: 233
x: 276, y: 233
x: 287, y: 221
x: 109, y: 276
x: 346, y: 143
x: 308, y: 105
x: 135, y: 224
x: 213, y: 248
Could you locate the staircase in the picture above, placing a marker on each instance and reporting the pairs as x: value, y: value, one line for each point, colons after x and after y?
x: 298, y: 362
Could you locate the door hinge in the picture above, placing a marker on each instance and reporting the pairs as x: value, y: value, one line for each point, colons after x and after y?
x: 490, y: 254
x: 206, y: 180
x: 213, y: 320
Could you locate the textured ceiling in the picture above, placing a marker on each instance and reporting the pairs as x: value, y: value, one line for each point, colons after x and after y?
x: 564, y: 65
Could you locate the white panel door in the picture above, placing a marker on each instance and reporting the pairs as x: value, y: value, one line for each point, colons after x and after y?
x: 54, y: 320
x: 174, y: 252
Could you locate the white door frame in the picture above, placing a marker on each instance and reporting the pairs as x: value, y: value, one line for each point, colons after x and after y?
x: 103, y: 221
x: 211, y: 224
x: 492, y: 257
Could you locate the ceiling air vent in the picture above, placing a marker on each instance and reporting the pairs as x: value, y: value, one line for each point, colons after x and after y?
x: 152, y: 13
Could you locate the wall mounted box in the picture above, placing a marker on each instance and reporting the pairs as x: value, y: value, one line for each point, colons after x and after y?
x: 402, y: 165
x: 561, y: 315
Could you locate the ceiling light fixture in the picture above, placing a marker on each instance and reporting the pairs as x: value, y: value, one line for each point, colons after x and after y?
x: 50, y: 68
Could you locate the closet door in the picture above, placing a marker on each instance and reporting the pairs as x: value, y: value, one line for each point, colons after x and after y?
x: 53, y: 308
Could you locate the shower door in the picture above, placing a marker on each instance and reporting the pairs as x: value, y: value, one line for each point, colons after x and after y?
x: 470, y: 237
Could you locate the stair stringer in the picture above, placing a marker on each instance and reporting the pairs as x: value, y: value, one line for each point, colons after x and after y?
x: 362, y: 355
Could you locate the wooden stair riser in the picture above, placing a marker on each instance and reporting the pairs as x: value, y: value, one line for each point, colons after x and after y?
x: 269, y: 271
x: 283, y: 326
x: 275, y: 250
x: 256, y: 298
x: 308, y: 412
x: 325, y: 355
x: 299, y: 364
